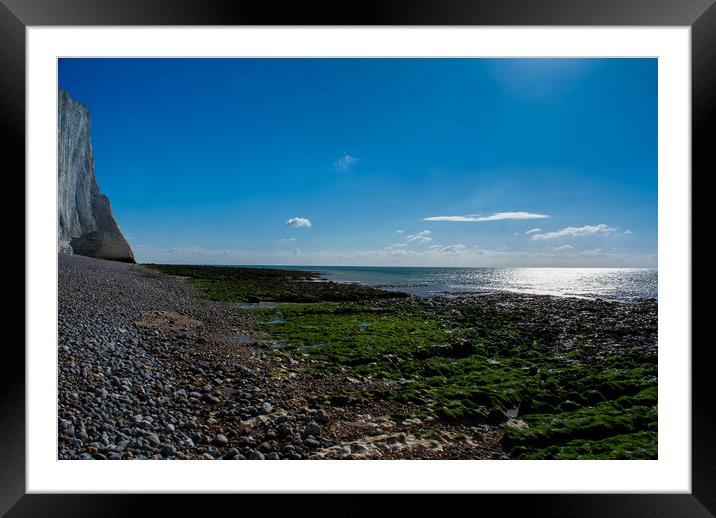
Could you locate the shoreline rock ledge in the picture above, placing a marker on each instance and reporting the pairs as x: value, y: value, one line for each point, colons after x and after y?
x: 86, y: 224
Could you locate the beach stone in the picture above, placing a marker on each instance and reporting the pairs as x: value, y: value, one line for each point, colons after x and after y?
x: 232, y: 453
x: 221, y: 440
x: 312, y: 443
x: 284, y: 430
x: 312, y: 429
x: 256, y: 455
x: 213, y: 451
x: 168, y: 450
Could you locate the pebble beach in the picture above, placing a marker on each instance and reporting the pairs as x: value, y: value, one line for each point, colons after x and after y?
x: 152, y: 368
x: 147, y: 371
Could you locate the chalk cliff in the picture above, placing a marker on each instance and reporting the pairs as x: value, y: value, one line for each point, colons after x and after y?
x: 86, y: 224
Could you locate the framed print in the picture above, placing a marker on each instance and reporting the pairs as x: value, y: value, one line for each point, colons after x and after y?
x: 440, y: 249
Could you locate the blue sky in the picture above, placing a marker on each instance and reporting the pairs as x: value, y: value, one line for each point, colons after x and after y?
x: 465, y: 162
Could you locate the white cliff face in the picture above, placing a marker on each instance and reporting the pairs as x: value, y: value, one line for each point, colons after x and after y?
x: 86, y: 224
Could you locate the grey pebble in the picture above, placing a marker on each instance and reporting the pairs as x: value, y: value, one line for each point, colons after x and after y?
x: 221, y: 440
x: 256, y: 455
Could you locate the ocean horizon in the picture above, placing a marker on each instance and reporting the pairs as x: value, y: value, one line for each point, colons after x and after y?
x: 607, y: 283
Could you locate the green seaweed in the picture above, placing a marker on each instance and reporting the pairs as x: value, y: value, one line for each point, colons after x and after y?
x: 476, y: 369
x: 639, y: 445
x: 463, y: 362
x: 247, y: 284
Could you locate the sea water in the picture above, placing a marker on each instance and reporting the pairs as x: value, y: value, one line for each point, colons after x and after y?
x: 607, y: 283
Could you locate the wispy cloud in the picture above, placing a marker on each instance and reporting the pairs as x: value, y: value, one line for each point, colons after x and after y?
x: 345, y: 162
x: 533, y: 231
x: 401, y: 250
x: 287, y: 239
x: 489, y: 217
x: 450, y: 249
x: 563, y: 247
x: 412, y: 239
x: 299, y: 223
x: 576, y: 231
x: 396, y: 248
x: 420, y: 237
x: 400, y: 231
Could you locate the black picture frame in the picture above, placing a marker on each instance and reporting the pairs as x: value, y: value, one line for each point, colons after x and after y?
x: 700, y: 15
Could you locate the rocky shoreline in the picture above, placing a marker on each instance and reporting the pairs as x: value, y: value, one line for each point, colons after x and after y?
x: 151, y: 368
x: 148, y: 369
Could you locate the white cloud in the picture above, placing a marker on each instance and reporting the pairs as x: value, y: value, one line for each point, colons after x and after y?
x: 345, y: 162
x: 563, y: 247
x: 420, y: 237
x: 490, y: 217
x: 299, y: 223
x: 401, y: 250
x: 451, y: 249
x: 628, y: 232
x: 397, y: 252
x: 576, y: 231
x: 533, y: 231
x: 287, y: 239
x: 400, y: 231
